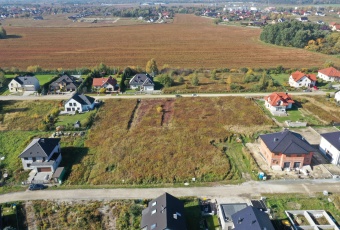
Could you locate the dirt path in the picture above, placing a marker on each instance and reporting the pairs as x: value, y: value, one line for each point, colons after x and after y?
x: 168, y: 111
x: 30, y: 216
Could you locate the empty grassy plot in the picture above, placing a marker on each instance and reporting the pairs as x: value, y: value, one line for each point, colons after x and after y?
x: 24, y: 115
x: 136, y: 143
x: 70, y: 120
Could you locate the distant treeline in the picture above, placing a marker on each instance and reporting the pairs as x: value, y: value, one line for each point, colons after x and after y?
x: 302, y: 35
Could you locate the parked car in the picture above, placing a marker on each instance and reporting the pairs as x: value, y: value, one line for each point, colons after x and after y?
x: 194, y: 95
x: 36, y: 187
x: 177, y: 95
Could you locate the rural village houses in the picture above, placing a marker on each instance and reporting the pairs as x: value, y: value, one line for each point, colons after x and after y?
x: 142, y: 81
x: 277, y: 103
x: 330, y: 146
x: 42, y: 155
x: 24, y: 83
x: 286, y: 150
x: 109, y: 83
x: 329, y: 74
x: 164, y: 212
x: 79, y: 102
x: 65, y: 83
x: 299, y: 79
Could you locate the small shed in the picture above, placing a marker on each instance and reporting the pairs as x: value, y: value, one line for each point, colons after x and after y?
x: 58, y: 175
x: 77, y: 124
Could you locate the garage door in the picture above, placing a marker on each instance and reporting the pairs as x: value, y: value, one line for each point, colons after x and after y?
x: 44, y: 169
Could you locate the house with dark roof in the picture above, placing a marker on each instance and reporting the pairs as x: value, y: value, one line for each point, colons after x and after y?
x: 251, y: 218
x: 42, y: 155
x: 109, y: 83
x: 329, y: 74
x: 225, y: 211
x: 278, y: 103
x: 24, y: 83
x: 164, y: 212
x: 299, y: 79
x: 142, y: 81
x: 79, y: 102
x: 286, y: 150
x: 330, y: 146
x: 65, y: 83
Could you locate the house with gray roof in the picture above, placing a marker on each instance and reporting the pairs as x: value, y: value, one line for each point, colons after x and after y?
x: 286, y: 150
x: 330, y: 146
x: 42, y: 155
x: 79, y: 102
x: 143, y: 81
x: 164, y: 212
x: 24, y: 83
x: 251, y: 218
x: 225, y: 211
x: 65, y: 83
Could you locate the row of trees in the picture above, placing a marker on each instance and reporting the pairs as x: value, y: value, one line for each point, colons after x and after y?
x: 328, y: 45
x: 293, y: 33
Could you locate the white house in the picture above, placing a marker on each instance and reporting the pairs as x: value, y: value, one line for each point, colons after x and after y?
x: 24, y: 83
x: 42, y: 155
x: 142, y: 81
x: 299, y: 79
x: 337, y: 96
x: 277, y: 103
x: 330, y: 146
x: 329, y: 74
x: 80, y: 103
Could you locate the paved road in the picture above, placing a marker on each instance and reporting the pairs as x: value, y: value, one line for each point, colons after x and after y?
x: 307, y: 187
x: 62, y: 97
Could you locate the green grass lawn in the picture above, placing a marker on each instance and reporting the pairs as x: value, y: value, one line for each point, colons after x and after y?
x: 281, y: 78
x: 212, y: 222
x: 71, y: 119
x: 192, y: 213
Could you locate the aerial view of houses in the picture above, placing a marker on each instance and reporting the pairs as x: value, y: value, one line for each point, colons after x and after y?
x: 170, y: 115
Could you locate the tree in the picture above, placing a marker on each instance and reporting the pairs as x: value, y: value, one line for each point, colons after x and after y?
x: 180, y: 79
x: 34, y: 68
x: 122, y: 84
x: 194, y: 80
x: 166, y: 80
x: 2, y: 79
x: 3, y: 33
x: 229, y: 80
x: 151, y: 67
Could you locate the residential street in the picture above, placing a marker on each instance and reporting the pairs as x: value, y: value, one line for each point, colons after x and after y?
x: 252, y: 188
x: 62, y: 97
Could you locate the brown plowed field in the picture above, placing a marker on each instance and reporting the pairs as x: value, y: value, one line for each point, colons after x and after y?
x: 189, y: 42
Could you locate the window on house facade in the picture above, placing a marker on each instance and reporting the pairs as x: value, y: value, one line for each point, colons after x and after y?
x: 70, y: 104
x: 74, y: 104
x: 73, y: 109
x: 34, y: 159
x: 26, y: 158
x: 28, y: 165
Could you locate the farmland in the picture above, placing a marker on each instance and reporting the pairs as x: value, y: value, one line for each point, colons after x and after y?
x: 134, y: 143
x: 191, y: 42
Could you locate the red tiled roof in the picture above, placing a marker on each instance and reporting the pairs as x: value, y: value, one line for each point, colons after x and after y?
x: 274, y: 98
x: 101, y: 81
x: 332, y: 23
x: 337, y: 27
x: 330, y: 72
x: 298, y: 75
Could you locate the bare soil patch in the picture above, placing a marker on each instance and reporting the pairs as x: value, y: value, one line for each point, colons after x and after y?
x: 190, y: 42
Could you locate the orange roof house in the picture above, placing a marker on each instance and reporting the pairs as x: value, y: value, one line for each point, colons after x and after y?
x: 109, y: 83
x: 277, y: 103
x: 299, y: 79
x: 329, y: 74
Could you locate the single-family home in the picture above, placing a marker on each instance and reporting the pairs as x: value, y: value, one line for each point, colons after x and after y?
x: 251, y: 218
x: 225, y: 211
x: 329, y: 74
x: 330, y: 146
x: 109, y: 83
x: 299, y: 79
x: 278, y: 103
x: 337, y: 96
x: 65, y: 83
x: 286, y: 150
x: 24, y: 83
x: 302, y: 19
x: 142, y: 81
x: 42, y: 155
x: 164, y: 212
x: 335, y: 27
x: 79, y: 102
